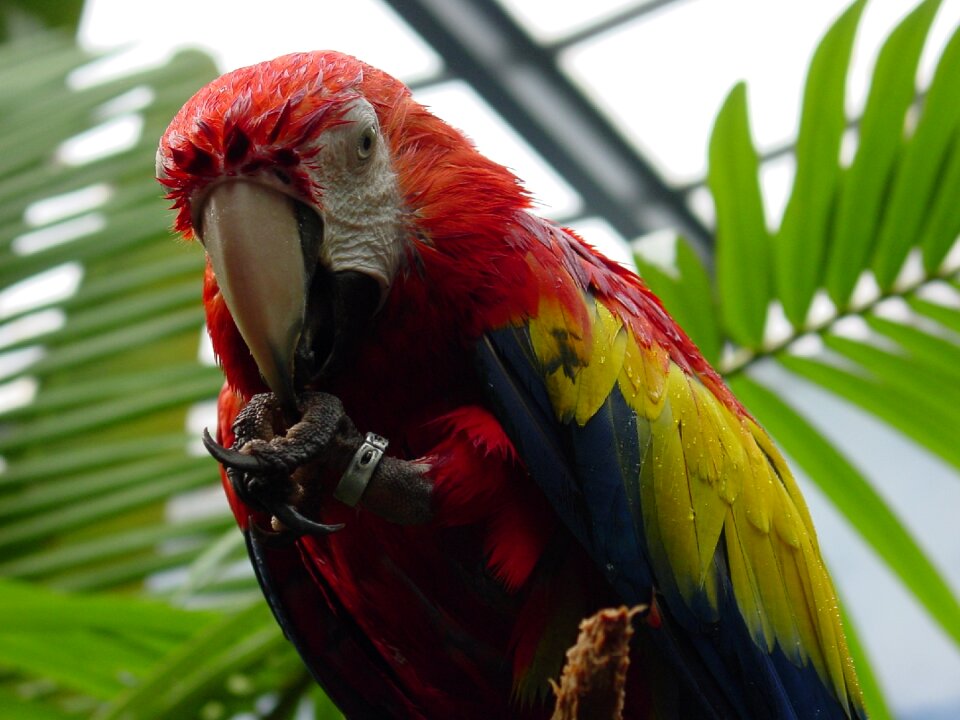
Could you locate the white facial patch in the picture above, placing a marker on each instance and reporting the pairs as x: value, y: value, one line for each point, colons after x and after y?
x: 361, y: 199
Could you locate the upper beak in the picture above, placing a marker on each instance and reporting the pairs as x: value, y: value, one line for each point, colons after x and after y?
x: 252, y: 238
x: 298, y: 320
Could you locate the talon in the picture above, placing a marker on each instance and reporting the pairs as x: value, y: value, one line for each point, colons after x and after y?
x: 292, y: 520
x: 255, y: 489
x: 232, y: 458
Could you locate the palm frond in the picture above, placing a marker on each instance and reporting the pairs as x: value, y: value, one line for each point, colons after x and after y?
x: 85, y: 459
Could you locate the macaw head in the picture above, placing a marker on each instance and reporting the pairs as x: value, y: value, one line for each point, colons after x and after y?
x: 282, y: 172
x: 310, y: 180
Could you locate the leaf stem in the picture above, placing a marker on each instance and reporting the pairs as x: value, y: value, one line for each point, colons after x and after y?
x: 742, y: 358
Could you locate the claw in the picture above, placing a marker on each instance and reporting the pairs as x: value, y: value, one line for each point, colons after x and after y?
x: 232, y: 458
x: 291, y: 519
x: 288, y: 515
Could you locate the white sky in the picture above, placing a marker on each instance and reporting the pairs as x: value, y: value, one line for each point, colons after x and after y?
x: 661, y: 80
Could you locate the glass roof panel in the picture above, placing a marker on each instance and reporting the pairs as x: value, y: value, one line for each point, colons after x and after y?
x: 687, y: 56
x: 548, y: 20
x: 368, y: 29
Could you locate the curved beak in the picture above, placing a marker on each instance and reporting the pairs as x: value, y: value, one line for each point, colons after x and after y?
x: 296, y: 318
x: 251, y: 236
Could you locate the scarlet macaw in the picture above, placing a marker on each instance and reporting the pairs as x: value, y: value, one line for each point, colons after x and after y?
x: 556, y: 442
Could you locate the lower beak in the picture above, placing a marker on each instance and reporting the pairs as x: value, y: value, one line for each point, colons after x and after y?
x: 298, y: 320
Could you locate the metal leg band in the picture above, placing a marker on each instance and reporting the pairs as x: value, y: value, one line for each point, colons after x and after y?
x: 361, y: 468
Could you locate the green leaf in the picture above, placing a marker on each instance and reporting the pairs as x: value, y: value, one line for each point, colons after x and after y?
x: 111, y: 412
x: 22, y: 533
x: 800, y: 246
x: 87, y: 392
x: 38, y: 468
x: 60, y: 659
x: 51, y: 58
x: 863, y: 188
x: 917, y: 417
x: 33, y: 14
x: 16, y: 707
x: 899, y: 371
x: 942, y: 225
x: 87, y: 643
x: 932, y: 354
x: 687, y: 294
x: 53, y: 562
x: 921, y: 168
x: 173, y: 689
x: 77, y: 488
x: 208, y: 566
x: 860, y: 504
x: 125, y: 312
x: 744, y: 280
x: 130, y: 571
x: 947, y: 316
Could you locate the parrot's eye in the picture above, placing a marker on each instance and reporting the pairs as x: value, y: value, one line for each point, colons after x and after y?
x: 366, y: 141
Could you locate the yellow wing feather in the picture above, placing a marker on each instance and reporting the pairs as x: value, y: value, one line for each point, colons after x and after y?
x: 712, y: 481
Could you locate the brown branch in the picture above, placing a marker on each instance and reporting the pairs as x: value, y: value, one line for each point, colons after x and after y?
x: 592, y: 684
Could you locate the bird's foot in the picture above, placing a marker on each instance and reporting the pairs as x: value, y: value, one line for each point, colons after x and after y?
x: 267, y: 459
x: 272, y: 466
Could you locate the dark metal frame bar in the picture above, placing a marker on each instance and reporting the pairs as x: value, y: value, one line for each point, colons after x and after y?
x: 610, y: 23
x: 520, y: 79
